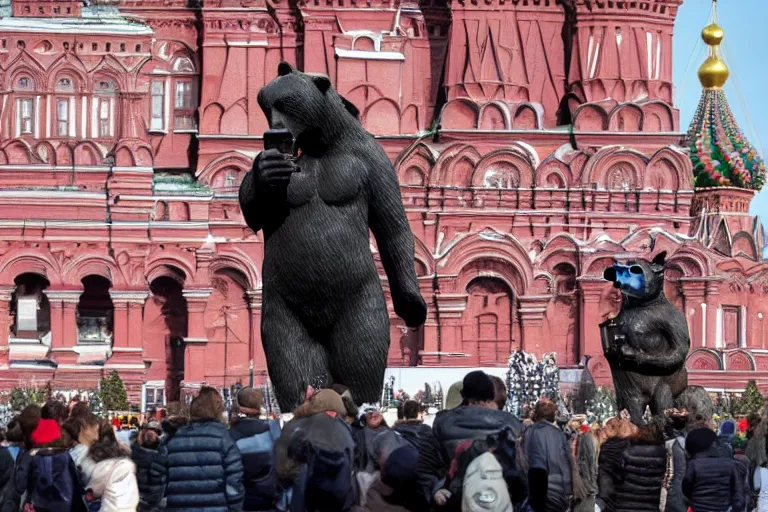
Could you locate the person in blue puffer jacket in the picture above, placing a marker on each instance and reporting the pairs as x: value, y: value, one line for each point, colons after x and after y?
x: 255, y: 438
x: 203, y: 466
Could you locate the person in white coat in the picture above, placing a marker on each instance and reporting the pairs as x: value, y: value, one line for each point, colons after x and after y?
x: 113, y: 480
x: 760, y: 485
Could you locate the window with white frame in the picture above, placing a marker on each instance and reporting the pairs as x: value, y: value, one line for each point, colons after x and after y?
x: 65, y: 107
x: 104, y: 109
x: 184, y: 109
x: 62, y: 117
x: 25, y: 106
x: 26, y: 116
x: 158, y: 105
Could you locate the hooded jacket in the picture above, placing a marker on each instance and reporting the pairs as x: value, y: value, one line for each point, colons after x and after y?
x: 713, y: 482
x: 50, y: 480
x: 453, y: 426
x: 204, y: 469
x: 114, y: 484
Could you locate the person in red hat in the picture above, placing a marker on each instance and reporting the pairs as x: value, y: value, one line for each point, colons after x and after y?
x: 46, y: 471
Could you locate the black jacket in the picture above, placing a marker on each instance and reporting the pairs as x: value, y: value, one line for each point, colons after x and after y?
x: 453, y: 426
x: 256, y: 442
x: 547, y: 449
x: 431, y: 467
x: 713, y: 482
x: 204, y: 469
x: 630, y: 475
x: 149, y: 476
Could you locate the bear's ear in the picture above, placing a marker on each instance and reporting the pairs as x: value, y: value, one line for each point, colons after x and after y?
x: 351, y: 108
x: 660, y: 259
x: 284, y: 68
x: 322, y: 82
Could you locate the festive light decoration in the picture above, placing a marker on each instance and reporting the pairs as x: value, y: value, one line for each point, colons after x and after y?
x: 529, y: 380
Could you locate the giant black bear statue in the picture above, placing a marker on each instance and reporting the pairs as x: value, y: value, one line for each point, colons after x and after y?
x: 324, y: 316
x: 647, y: 343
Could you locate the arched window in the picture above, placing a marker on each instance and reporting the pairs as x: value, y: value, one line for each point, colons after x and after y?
x: 185, y: 102
x: 25, y: 106
x: 103, y: 113
x: 226, y: 179
x: 30, y: 307
x: 65, y: 107
x: 95, y: 311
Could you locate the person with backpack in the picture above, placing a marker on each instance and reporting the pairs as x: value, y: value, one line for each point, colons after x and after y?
x: 476, y: 417
x: 314, y: 456
x: 45, y: 471
x: 549, y: 460
x: 392, y: 487
x: 431, y: 466
x: 203, y: 466
x: 255, y: 438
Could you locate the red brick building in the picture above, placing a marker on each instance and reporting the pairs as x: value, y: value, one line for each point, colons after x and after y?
x: 535, y: 140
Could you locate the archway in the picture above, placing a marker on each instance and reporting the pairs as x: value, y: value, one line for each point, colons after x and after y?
x: 564, y: 310
x: 95, y: 311
x: 227, y: 322
x: 30, y: 308
x: 165, y: 327
x: 488, y: 322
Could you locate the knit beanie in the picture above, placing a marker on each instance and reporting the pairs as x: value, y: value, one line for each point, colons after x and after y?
x: 400, y: 466
x: 699, y: 440
x: 251, y: 398
x: 478, y: 387
x: 327, y: 400
x: 47, y: 431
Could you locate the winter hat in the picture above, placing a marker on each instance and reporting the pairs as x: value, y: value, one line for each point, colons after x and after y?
x: 699, y: 440
x: 47, y: 431
x: 251, y: 398
x: 478, y: 387
x: 727, y: 428
x: 453, y: 398
x: 325, y: 400
x: 400, y: 466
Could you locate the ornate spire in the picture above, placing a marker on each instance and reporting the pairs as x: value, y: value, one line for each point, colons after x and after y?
x: 721, y: 155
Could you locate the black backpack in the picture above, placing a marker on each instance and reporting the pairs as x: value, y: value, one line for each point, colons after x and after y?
x: 325, y: 482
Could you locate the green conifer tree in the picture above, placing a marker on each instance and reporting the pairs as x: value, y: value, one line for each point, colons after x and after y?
x: 753, y: 400
x: 113, y: 394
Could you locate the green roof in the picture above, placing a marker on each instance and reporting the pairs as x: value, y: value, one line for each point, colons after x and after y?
x: 178, y: 184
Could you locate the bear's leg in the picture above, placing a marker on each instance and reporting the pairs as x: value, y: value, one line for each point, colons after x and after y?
x: 294, y: 359
x: 359, y: 344
x: 663, y: 398
x: 633, y: 401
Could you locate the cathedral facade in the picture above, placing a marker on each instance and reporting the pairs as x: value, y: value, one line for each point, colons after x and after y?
x: 536, y: 142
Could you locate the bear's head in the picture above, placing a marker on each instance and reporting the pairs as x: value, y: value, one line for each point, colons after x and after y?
x: 306, y: 105
x: 639, y: 279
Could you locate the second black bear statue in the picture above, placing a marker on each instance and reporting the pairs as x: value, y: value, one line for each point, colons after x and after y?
x: 647, y: 343
x: 324, y: 316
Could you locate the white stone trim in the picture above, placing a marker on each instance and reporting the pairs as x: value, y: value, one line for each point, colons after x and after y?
x: 125, y: 366
x: 197, y: 293
x: 201, y: 198
x: 127, y: 350
x: 73, y: 26
x: 719, y: 328
x: 128, y: 296
x: 368, y: 55
x: 92, y: 367
x: 49, y: 194
x: 703, y: 324
x: 63, y: 295
x: 196, y: 341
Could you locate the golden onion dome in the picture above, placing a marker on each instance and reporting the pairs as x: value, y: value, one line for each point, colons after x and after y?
x: 713, y: 73
x: 712, y: 34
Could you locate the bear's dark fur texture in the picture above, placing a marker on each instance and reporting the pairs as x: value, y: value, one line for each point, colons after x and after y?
x: 324, y: 316
x: 650, y: 343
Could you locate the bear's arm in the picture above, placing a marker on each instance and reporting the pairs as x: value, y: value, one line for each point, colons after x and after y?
x: 673, y: 335
x: 387, y: 220
x: 262, y: 208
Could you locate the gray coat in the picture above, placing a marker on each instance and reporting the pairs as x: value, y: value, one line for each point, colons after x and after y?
x: 547, y: 449
x: 676, y: 501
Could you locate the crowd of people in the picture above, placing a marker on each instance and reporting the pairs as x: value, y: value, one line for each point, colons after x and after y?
x: 337, y: 456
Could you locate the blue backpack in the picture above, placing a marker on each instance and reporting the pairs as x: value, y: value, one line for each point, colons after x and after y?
x: 260, y: 478
x: 325, y: 482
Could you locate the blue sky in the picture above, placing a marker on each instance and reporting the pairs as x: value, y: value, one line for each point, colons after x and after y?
x: 746, y: 36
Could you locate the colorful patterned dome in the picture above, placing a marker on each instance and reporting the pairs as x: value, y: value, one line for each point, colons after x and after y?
x: 721, y: 155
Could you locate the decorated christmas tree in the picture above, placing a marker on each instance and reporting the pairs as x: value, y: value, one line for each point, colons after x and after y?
x: 603, y: 405
x: 95, y: 402
x: 529, y: 380
x: 751, y: 402
x: 113, y: 394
